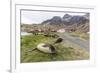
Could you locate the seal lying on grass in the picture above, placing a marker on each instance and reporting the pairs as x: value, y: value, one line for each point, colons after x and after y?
x: 45, y: 48
x: 59, y: 40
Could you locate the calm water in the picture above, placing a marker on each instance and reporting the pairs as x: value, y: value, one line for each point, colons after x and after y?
x: 25, y: 33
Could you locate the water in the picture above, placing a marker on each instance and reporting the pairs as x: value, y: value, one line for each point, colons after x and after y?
x: 25, y: 33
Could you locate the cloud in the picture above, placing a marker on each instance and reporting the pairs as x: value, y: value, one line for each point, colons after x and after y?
x: 30, y: 17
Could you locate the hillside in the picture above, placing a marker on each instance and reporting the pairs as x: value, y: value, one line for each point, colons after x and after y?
x: 75, y: 23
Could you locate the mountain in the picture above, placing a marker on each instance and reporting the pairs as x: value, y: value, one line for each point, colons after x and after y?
x: 76, y: 22
x: 67, y: 20
x: 55, y: 20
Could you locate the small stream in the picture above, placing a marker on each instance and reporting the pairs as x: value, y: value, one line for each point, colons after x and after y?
x: 25, y: 33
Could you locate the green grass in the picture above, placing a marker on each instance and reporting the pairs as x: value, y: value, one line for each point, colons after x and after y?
x: 64, y: 53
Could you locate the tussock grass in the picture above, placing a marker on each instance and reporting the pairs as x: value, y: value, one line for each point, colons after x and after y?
x: 64, y: 53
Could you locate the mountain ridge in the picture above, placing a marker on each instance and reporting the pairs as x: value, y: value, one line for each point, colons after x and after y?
x: 76, y: 22
x: 67, y: 19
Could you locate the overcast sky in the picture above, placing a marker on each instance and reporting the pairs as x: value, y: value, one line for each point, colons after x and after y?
x: 36, y: 17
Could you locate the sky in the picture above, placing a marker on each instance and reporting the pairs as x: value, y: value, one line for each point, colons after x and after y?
x: 36, y: 17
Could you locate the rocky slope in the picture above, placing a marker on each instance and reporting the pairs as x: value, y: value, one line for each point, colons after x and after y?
x: 77, y: 22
